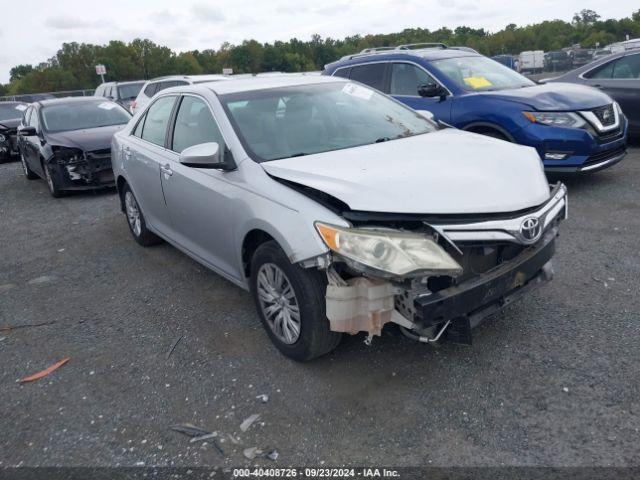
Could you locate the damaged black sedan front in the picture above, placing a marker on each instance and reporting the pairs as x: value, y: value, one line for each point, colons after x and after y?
x: 67, y: 142
x: 10, y: 116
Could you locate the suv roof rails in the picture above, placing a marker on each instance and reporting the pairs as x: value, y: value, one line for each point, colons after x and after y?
x: 414, y: 46
x: 407, y: 46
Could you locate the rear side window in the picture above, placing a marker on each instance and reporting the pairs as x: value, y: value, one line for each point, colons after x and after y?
x: 406, y: 78
x: 342, y: 72
x: 157, y: 119
x: 624, y: 68
x: 151, y: 89
x: 372, y: 74
x: 137, y: 132
x: 195, y: 125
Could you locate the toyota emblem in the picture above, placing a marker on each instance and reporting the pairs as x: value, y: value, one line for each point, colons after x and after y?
x: 530, y: 230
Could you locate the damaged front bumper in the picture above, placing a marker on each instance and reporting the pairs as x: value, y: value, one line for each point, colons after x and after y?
x: 501, y: 264
x: 8, y: 143
x: 83, y: 171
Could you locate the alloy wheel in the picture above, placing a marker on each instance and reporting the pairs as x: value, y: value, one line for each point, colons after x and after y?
x: 133, y: 213
x: 278, y: 303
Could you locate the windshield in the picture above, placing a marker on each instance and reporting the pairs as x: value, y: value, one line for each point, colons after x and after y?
x: 302, y: 120
x: 10, y: 111
x: 81, y: 115
x: 480, y: 74
x: 130, y: 90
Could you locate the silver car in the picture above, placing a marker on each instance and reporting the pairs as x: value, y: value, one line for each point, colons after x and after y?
x: 339, y: 208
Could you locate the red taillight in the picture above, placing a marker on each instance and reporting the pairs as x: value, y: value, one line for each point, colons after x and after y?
x: 133, y: 105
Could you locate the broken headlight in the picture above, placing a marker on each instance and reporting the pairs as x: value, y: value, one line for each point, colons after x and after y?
x: 389, y: 251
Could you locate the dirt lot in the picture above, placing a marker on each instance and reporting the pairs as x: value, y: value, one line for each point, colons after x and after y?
x: 552, y: 381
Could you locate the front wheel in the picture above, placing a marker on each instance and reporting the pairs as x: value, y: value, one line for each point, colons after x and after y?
x: 291, y: 304
x: 30, y: 174
x: 52, y: 181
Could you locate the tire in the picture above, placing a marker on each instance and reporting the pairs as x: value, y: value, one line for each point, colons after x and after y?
x: 52, y: 181
x: 135, y: 220
x: 494, y: 134
x: 30, y: 174
x: 307, y: 289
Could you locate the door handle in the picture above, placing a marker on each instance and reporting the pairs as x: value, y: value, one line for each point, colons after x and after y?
x: 127, y: 153
x: 166, y: 169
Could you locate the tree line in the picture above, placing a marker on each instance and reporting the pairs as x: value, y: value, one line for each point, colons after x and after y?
x: 73, y: 66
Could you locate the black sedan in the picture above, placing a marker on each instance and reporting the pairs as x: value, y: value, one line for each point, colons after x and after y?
x: 618, y: 75
x: 10, y: 116
x: 67, y: 142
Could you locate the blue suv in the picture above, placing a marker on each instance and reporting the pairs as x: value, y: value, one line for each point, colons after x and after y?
x: 573, y: 128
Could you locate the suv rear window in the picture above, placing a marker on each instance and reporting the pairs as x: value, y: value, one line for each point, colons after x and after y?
x: 151, y: 89
x: 371, y: 74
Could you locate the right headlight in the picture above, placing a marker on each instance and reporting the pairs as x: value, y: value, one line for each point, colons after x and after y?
x: 556, y: 119
x: 389, y: 251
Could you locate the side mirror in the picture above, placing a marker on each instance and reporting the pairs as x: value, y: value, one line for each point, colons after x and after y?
x: 432, y: 90
x: 205, y: 155
x: 27, y: 131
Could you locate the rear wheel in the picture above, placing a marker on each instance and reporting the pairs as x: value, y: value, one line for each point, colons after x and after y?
x: 135, y: 220
x: 30, y: 174
x: 291, y: 304
x: 52, y: 181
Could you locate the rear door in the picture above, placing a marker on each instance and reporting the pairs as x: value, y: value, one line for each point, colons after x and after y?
x: 200, y: 200
x: 144, y: 152
x: 404, y: 81
x: 620, y: 78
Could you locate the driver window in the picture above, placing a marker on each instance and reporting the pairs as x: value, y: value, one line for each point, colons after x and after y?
x: 157, y: 119
x: 406, y: 78
x: 33, y: 120
x: 195, y: 125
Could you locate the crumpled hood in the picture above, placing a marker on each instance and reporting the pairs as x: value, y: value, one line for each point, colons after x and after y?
x: 445, y: 172
x: 88, y: 139
x: 555, y: 97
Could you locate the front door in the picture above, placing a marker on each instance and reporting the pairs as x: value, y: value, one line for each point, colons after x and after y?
x: 404, y: 83
x: 200, y: 200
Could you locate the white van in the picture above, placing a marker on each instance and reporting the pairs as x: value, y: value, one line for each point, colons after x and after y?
x: 531, y: 61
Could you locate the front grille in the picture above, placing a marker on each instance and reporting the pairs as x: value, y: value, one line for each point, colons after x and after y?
x: 611, y: 136
x: 606, y: 155
x: 605, y: 114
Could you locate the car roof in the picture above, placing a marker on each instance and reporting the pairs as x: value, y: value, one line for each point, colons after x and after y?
x: 70, y: 100
x: 193, y: 78
x: 427, y: 54
x: 258, y: 82
x: 129, y: 82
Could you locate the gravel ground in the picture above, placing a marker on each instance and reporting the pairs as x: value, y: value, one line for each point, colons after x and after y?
x: 554, y: 380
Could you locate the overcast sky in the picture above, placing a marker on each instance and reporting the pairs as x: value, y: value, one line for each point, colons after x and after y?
x: 186, y: 25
